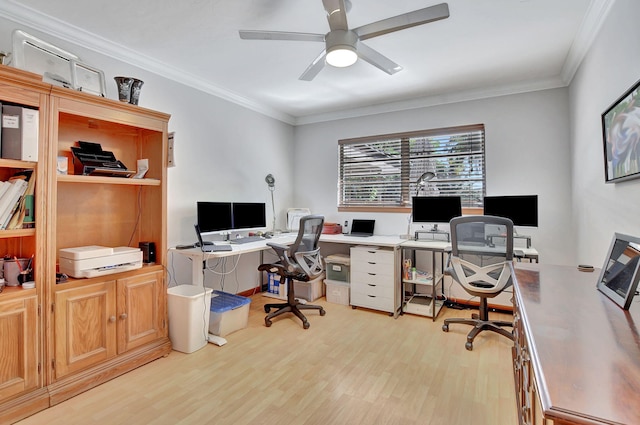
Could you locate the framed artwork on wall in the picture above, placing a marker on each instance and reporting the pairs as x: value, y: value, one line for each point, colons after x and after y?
x: 621, y: 137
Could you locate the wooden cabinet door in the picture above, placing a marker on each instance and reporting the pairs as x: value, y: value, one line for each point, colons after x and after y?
x: 85, y: 326
x: 18, y: 346
x: 140, y: 313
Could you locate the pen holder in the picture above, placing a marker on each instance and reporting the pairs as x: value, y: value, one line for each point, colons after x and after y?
x: 13, y: 268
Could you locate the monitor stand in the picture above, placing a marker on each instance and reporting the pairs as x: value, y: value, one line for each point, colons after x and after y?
x: 433, y: 232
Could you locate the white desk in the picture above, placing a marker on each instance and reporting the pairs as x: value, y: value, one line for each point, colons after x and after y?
x: 199, y: 258
x: 386, y: 241
x: 394, y: 242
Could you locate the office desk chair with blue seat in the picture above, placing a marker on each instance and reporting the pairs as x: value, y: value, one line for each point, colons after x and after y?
x: 481, y: 268
x: 299, y: 261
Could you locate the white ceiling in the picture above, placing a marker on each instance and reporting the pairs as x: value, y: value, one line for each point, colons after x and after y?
x: 485, y: 48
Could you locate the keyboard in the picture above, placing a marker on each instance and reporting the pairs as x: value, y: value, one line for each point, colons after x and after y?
x: 247, y: 239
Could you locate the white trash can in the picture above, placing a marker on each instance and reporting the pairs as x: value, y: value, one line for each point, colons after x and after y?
x: 188, y: 317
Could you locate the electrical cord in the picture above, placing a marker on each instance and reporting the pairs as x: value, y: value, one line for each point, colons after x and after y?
x: 137, y: 216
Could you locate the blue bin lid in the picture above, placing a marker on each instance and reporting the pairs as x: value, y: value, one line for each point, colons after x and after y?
x: 226, y: 301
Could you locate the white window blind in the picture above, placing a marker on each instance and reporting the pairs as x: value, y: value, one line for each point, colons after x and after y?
x: 381, y: 171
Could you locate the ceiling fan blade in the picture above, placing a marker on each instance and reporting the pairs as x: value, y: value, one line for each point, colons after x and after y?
x: 315, y: 67
x: 400, y: 22
x: 381, y: 62
x: 336, y: 14
x: 280, y: 35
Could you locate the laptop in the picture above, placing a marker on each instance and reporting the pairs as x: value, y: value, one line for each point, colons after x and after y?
x: 210, y: 248
x: 361, y: 227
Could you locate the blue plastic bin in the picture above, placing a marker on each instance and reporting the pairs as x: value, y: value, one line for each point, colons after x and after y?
x: 228, y: 313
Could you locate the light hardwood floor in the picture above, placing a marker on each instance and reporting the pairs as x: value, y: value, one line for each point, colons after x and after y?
x: 350, y: 367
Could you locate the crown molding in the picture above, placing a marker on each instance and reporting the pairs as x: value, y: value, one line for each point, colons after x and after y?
x: 441, y: 99
x: 594, y: 18
x: 23, y: 15
x: 591, y: 24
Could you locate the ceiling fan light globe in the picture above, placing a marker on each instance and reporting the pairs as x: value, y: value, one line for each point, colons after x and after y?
x: 342, y: 56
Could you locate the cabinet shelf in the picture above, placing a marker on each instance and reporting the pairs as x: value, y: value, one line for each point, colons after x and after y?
x: 423, y: 305
x: 17, y: 233
x: 8, y: 291
x: 14, y: 163
x: 71, y: 178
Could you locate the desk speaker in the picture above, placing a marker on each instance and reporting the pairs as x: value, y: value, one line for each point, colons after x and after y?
x: 148, y: 252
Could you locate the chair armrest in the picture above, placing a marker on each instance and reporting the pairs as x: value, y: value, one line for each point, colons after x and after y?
x: 278, y: 247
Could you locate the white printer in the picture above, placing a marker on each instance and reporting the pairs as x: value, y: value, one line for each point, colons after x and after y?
x: 95, y: 260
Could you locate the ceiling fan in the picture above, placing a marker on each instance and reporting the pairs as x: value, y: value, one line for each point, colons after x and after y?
x: 343, y: 46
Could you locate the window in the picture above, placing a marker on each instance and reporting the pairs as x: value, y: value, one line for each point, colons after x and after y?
x: 382, y: 171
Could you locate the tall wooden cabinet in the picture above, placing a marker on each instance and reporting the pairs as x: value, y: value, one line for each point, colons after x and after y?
x: 76, y: 334
x: 22, y: 324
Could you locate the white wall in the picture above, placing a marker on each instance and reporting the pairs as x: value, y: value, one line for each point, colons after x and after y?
x: 527, y: 152
x: 546, y: 142
x: 610, y: 68
x: 223, y: 153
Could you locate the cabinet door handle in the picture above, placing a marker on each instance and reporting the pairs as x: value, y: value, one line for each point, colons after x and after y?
x: 371, y: 296
x: 371, y: 262
x: 371, y: 284
x: 112, y: 319
x: 123, y: 316
x: 371, y: 274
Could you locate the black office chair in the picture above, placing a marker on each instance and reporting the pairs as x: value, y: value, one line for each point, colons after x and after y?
x: 300, y: 261
x: 481, y: 267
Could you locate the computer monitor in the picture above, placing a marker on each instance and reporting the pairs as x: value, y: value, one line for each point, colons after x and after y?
x: 214, y: 217
x: 521, y: 209
x: 249, y: 216
x: 436, y: 209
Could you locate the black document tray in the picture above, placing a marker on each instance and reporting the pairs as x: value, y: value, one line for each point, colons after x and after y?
x: 90, y: 160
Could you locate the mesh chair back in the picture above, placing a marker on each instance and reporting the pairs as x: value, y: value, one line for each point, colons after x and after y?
x: 481, y: 250
x: 305, y: 249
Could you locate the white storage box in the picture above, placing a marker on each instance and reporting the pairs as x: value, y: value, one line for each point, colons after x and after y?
x: 311, y: 290
x: 337, y: 267
x: 188, y: 322
x: 337, y: 292
x: 228, y: 313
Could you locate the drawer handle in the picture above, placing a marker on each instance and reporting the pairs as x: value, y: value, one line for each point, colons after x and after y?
x: 371, y: 262
x: 371, y: 296
x: 371, y: 252
x: 371, y: 284
x: 371, y: 274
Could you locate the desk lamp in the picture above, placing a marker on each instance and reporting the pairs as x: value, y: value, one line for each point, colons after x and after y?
x: 271, y: 183
x: 420, y: 184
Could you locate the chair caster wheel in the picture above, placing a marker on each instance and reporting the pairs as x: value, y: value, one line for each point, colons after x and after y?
x: 445, y: 328
x: 306, y: 325
x: 468, y: 346
x: 266, y: 309
x: 322, y: 312
x: 267, y: 323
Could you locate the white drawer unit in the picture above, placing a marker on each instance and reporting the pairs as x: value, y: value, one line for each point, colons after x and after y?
x: 373, y: 278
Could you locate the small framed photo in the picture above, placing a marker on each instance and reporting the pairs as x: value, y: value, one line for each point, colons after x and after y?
x: 620, y: 127
x: 88, y: 79
x: 618, y: 279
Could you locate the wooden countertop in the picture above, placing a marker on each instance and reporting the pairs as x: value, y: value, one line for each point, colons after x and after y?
x: 585, y: 349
